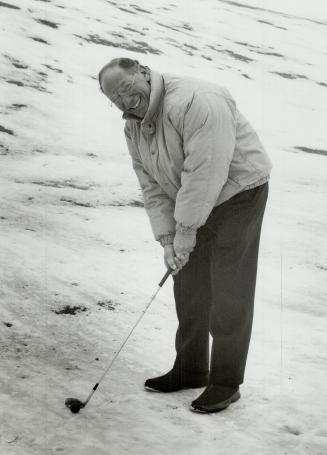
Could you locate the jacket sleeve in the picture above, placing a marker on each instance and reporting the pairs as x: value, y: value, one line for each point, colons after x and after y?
x: 158, y: 205
x: 208, y: 129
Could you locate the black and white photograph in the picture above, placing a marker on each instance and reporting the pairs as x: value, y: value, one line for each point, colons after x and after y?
x: 163, y: 219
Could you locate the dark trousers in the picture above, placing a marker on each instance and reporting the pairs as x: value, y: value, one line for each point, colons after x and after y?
x: 215, y: 291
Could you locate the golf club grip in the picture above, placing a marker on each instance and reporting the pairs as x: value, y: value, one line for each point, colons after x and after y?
x: 165, y: 278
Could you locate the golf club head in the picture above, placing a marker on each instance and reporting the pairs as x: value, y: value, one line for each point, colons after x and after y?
x: 74, y: 404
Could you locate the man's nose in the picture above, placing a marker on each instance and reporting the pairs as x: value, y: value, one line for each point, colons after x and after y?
x: 128, y: 101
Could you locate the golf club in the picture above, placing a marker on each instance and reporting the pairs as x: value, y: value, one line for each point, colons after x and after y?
x: 74, y: 404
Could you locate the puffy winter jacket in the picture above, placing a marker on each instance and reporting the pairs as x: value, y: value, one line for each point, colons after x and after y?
x: 192, y: 151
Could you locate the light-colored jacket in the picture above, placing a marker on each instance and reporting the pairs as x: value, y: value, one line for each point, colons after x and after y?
x: 192, y: 151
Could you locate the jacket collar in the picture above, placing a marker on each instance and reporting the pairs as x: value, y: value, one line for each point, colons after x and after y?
x: 156, y: 95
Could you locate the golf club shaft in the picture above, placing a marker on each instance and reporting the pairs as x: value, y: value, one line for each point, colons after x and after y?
x: 162, y: 282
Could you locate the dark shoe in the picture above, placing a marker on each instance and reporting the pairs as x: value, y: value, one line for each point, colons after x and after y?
x: 174, y: 381
x: 215, y: 398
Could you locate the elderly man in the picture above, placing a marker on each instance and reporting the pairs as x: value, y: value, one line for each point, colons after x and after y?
x: 204, y: 177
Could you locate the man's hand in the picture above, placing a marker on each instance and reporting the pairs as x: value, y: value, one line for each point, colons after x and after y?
x: 173, y: 261
x: 184, y: 242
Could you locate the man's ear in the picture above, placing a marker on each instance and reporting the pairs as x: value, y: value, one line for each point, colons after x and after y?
x: 145, y: 70
x: 147, y: 76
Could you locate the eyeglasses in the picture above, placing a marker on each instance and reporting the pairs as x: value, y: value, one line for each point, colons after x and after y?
x: 127, y: 91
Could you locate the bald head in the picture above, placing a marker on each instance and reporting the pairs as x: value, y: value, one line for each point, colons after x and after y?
x: 127, y: 84
x: 127, y: 64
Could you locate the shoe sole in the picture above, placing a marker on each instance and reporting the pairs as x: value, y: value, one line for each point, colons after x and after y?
x: 202, y: 409
x: 150, y: 389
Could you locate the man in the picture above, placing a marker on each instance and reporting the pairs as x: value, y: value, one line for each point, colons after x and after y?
x: 204, y: 177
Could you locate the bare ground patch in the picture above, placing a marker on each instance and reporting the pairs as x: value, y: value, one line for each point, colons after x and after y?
x: 136, y: 46
x: 72, y: 310
x: 47, y: 23
x: 107, y: 304
x: 6, y: 131
x: 8, y: 5
x: 310, y: 150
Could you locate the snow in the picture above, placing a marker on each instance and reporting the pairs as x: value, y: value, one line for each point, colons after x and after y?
x: 73, y: 232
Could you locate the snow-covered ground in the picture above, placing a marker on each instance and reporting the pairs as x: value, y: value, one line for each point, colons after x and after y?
x: 74, y: 238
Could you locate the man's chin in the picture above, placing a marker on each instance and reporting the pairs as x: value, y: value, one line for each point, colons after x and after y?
x: 130, y: 116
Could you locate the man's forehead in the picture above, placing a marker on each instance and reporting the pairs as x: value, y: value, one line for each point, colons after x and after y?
x: 114, y: 78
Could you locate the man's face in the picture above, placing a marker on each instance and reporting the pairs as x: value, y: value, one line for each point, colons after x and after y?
x: 129, y: 92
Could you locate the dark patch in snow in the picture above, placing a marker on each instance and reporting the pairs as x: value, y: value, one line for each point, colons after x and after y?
x: 47, y: 23
x: 136, y: 46
x: 74, y: 367
x: 324, y: 84
x: 232, y: 54
x: 16, y: 63
x: 92, y: 155
x: 259, y: 50
x: 237, y: 56
x: 321, y: 267
x: 6, y: 130
x: 272, y: 25
x: 8, y: 324
x: 206, y: 57
x: 16, y: 106
x: 191, y: 47
x: 35, y: 85
x: 246, y: 76
x: 61, y: 184
x: 125, y: 10
x: 79, y: 204
x: 187, y: 26
x: 290, y: 75
x: 309, y: 150
x: 292, y: 430
x: 3, y: 151
x: 39, y: 40
x: 169, y: 26
x: 20, y: 65
x: 277, y: 13
x: 244, y: 43
x: 118, y: 35
x: 241, y: 5
x: 53, y: 68
x: 9, y: 5
x: 141, y: 10
x: 214, y: 48
x: 30, y: 229
x: 144, y: 47
x: 132, y: 203
x: 70, y: 309
x: 134, y: 30
x: 3, y: 218
x: 18, y: 83
x: 107, y: 304
x: 273, y: 54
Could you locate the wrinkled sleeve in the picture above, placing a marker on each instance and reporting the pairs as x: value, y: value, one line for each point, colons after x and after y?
x: 158, y: 205
x: 209, y: 132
